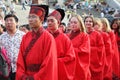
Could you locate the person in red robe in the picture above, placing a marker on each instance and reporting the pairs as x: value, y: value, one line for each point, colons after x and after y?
x: 97, y: 50
x: 108, y: 49
x: 65, y: 50
x: 81, y: 43
x: 115, y: 26
x: 37, y: 59
x: 114, y: 58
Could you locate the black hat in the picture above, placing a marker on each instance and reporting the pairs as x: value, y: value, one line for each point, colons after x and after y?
x: 40, y: 10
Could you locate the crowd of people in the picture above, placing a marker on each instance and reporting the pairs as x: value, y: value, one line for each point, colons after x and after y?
x: 85, y: 49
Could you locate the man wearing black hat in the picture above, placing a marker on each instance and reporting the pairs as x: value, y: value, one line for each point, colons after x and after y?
x: 37, y: 58
x: 65, y: 51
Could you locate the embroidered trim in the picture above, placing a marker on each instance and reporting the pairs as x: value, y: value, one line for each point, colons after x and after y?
x: 74, y: 34
x: 55, y: 34
x: 31, y: 44
x: 25, y: 77
x: 33, y: 67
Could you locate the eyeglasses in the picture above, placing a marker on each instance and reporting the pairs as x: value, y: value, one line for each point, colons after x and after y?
x: 32, y: 17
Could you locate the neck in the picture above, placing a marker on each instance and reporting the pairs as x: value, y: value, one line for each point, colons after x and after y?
x: 89, y: 29
x: 53, y: 31
x: 11, y: 32
x: 35, y: 29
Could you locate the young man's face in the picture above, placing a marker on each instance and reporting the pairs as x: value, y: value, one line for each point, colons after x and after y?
x: 34, y: 21
x: 10, y: 23
x: 52, y: 23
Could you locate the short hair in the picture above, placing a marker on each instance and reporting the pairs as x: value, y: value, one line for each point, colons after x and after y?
x: 26, y: 26
x: 11, y: 15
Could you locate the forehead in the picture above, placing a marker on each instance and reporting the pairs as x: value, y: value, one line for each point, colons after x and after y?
x: 32, y: 15
x: 10, y: 18
x: 88, y: 18
x: 50, y: 18
x: 73, y: 19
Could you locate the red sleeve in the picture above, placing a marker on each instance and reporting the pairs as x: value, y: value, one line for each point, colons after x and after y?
x: 82, y: 50
x: 20, y: 62
x: 97, y: 52
x: 66, y: 63
x: 116, y: 54
x: 108, y: 50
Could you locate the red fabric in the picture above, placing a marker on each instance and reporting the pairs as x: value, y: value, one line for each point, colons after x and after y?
x: 108, y: 56
x: 81, y: 45
x: 116, y: 56
x: 41, y: 61
x: 97, y: 55
x: 38, y: 11
x: 56, y: 14
x: 66, y: 56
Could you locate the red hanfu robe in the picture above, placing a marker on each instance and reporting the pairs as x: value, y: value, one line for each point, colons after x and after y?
x: 97, y: 55
x: 40, y: 63
x: 108, y: 56
x: 66, y: 56
x: 116, y: 53
x: 81, y: 45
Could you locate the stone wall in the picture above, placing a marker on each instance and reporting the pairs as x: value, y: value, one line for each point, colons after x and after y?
x: 113, y: 3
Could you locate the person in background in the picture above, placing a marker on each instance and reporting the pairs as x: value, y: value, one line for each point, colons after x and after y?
x: 68, y: 28
x: 62, y: 27
x: 108, y: 49
x: 37, y: 59
x: 25, y: 28
x: 81, y: 43
x: 11, y: 40
x: 114, y: 25
x: 96, y: 48
x: 65, y: 50
x: 12, y: 8
x: 114, y: 57
x: 2, y: 29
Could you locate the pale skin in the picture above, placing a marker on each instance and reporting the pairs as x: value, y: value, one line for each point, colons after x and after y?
x: 89, y: 24
x: 34, y: 22
x: 53, y: 23
x: 75, y: 25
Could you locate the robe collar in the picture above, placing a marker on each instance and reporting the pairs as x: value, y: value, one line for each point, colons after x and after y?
x: 40, y: 30
x: 56, y: 33
x: 74, y: 34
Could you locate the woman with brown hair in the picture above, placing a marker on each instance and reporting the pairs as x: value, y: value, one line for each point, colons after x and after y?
x: 97, y: 50
x: 115, y: 25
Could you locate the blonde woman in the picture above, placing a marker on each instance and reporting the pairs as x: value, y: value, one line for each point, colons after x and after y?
x: 108, y: 49
x: 81, y: 44
x: 97, y: 50
x: 113, y: 59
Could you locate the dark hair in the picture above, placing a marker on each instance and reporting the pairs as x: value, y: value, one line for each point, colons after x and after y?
x: 11, y: 15
x: 62, y: 23
x: 116, y: 19
x: 26, y: 26
x: 4, y: 29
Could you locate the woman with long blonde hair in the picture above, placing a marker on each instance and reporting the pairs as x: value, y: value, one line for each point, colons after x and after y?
x: 81, y: 44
